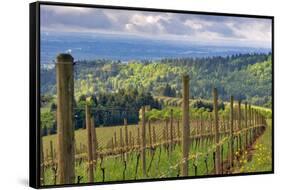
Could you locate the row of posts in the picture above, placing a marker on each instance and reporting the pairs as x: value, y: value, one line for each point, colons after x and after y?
x: 65, y: 132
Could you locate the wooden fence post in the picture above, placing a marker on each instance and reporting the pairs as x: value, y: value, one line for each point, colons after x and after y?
x: 178, y: 129
x: 239, y: 124
x: 254, y: 123
x: 126, y: 139
x: 211, y: 128
x: 138, y: 137
x: 150, y: 133
x: 250, y: 115
x: 217, y: 136
x: 42, y: 168
x: 246, y: 125
x: 65, y: 126
x: 250, y: 123
x: 126, y: 134
x: 130, y: 140
x: 90, y: 147
x: 52, y: 151
x: 115, y: 141
x: 112, y: 144
x: 94, y: 141
x: 231, y: 154
x: 154, y: 136
x: 171, y: 132
x: 163, y: 139
x: 201, y: 129
x: 121, y: 143
x: 185, y: 126
x: 166, y: 139
x: 143, y: 142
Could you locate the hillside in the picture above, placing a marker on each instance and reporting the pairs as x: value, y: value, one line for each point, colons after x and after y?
x: 245, y: 76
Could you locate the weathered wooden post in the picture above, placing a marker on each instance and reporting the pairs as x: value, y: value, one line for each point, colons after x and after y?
x: 154, y: 136
x: 185, y: 126
x: 166, y: 139
x: 150, y: 133
x: 231, y: 154
x: 143, y: 143
x: 250, y: 115
x: 115, y: 141
x: 254, y: 117
x: 126, y: 134
x: 201, y: 129
x: 121, y: 143
x: 90, y: 147
x: 42, y: 168
x: 112, y: 144
x: 94, y: 141
x: 178, y: 134
x: 171, y: 132
x: 246, y: 125
x: 130, y: 140
x: 51, y: 151
x: 133, y: 142
x: 253, y: 124
x: 197, y: 127
x: 65, y: 131
x: 217, y: 136
x: 250, y: 123
x: 211, y: 128
x: 138, y: 137
x: 239, y: 124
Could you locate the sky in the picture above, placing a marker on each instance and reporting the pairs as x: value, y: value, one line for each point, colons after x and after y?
x: 186, y: 28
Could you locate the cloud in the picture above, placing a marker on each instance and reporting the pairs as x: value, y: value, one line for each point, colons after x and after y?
x: 71, y: 18
x: 173, y: 26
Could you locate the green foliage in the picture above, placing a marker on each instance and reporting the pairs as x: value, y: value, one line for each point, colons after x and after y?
x: 47, y: 120
x: 111, y: 108
x: 168, y: 91
x: 208, y: 105
x: 254, y: 82
x: 247, y: 76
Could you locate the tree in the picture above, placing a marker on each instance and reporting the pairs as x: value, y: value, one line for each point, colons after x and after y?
x: 168, y: 91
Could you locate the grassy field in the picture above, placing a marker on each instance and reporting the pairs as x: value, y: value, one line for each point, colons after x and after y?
x: 158, y: 164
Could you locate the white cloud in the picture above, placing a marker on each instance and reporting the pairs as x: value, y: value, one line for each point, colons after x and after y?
x: 62, y: 10
x: 197, y: 24
x: 211, y: 29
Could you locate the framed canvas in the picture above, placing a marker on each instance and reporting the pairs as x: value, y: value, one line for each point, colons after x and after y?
x: 126, y: 94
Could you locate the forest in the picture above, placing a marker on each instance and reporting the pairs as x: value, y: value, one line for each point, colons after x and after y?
x: 246, y: 76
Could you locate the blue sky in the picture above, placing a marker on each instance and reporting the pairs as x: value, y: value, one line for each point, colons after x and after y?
x: 186, y: 28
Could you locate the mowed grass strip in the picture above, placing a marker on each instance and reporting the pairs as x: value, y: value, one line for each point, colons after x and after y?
x: 261, y: 154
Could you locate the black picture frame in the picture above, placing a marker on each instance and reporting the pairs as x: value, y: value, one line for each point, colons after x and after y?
x: 34, y: 90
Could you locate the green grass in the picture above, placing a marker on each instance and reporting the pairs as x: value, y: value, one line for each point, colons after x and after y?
x: 163, y: 165
x: 261, y: 160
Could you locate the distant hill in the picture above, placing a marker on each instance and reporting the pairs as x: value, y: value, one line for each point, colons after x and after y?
x: 246, y: 76
x: 126, y: 48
